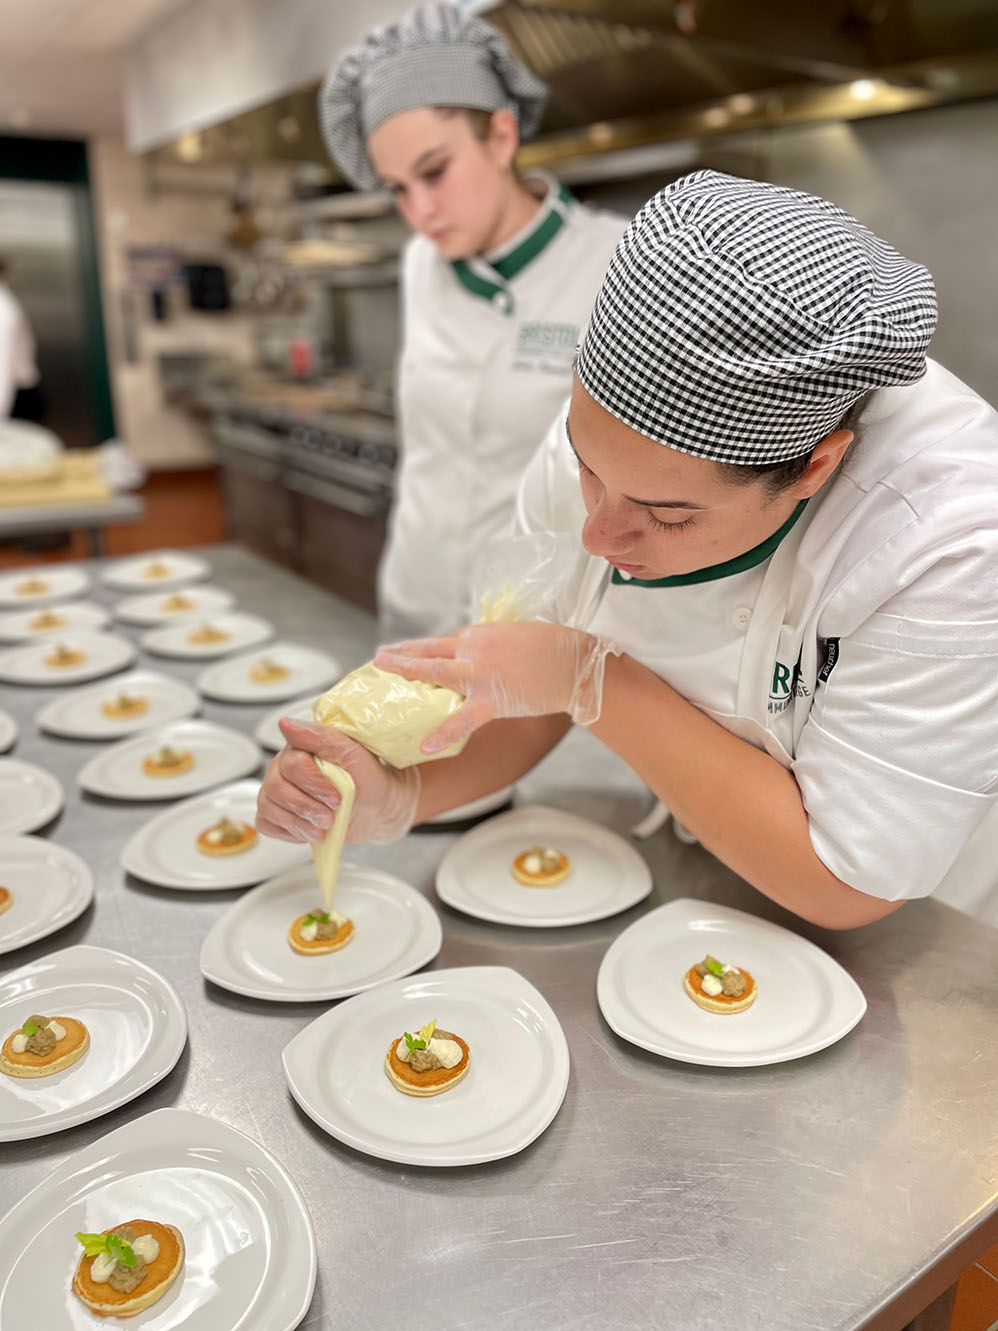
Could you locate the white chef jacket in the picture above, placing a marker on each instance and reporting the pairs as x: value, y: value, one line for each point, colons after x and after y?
x: 18, y: 368
x: 861, y: 652
x: 485, y: 366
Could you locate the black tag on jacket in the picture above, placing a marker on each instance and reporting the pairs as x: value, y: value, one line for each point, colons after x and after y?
x: 831, y: 656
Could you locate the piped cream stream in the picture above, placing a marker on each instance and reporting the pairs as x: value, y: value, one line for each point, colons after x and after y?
x: 329, y: 852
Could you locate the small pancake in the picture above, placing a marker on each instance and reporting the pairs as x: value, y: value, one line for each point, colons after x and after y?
x: 48, y: 619
x: 174, y: 605
x: 248, y: 838
x: 719, y: 1002
x: 32, y: 587
x: 422, y: 1084
x: 61, y: 657
x: 6, y: 899
x: 551, y: 879
x: 156, y: 569
x: 128, y: 705
x: 65, y: 1053
x: 207, y: 633
x: 108, y: 1302
x: 152, y: 766
x: 318, y: 945
x: 268, y: 672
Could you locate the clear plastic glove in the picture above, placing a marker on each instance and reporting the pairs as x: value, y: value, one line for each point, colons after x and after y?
x: 297, y: 803
x: 524, y: 669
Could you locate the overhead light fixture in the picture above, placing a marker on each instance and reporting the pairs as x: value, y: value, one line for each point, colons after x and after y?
x: 716, y: 117
x: 741, y: 104
x: 864, y: 90
x: 189, y: 147
x: 601, y: 132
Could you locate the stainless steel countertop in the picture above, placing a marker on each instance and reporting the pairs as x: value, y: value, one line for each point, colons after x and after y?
x: 812, y: 1194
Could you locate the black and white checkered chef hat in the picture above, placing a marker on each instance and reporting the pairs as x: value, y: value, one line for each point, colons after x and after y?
x: 740, y: 320
x: 434, y: 55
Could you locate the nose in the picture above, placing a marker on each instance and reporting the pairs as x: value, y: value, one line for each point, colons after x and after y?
x: 419, y: 207
x: 609, y: 532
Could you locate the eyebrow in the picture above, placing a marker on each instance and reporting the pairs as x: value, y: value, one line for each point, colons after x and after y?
x: 418, y: 163
x: 644, y: 503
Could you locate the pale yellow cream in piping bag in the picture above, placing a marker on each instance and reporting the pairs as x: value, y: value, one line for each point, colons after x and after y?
x: 391, y: 717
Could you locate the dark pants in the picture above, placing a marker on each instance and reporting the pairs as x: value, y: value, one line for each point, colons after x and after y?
x: 28, y: 405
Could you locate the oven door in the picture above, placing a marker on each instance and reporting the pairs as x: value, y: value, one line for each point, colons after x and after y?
x: 341, y: 534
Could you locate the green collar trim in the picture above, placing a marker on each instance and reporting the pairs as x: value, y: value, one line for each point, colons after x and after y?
x: 506, y: 268
x: 739, y: 564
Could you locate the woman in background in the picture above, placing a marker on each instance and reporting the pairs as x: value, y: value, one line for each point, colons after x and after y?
x: 497, y: 283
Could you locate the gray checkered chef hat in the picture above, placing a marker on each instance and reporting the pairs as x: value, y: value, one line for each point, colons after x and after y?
x: 434, y: 55
x: 739, y: 320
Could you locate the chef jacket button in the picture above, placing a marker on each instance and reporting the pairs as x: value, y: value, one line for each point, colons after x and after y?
x: 742, y: 617
x: 500, y: 299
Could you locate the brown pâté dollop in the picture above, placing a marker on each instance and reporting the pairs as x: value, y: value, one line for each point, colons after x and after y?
x: 733, y: 983
x: 124, y: 1279
x: 43, y: 1041
x: 421, y: 1060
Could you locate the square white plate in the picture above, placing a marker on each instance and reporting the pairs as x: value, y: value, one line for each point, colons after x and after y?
x: 250, y: 1261
x: 243, y: 630
x: 513, y: 1088
x: 61, y: 584
x: 247, y: 950
x: 137, y: 1025
x: 268, y: 733
x: 608, y: 875
x: 163, y: 850
x: 51, y: 886
x: 230, y: 681
x: 134, y: 574
x: 30, y: 796
x: 152, y: 607
x: 78, y: 715
x: 103, y: 654
x: 805, y: 1001
x: 8, y: 732
x: 220, y: 755
x: 16, y: 625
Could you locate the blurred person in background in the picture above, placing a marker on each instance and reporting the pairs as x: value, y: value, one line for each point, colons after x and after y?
x: 497, y: 283
x: 20, y: 396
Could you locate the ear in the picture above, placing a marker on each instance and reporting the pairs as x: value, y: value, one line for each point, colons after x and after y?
x: 826, y: 457
x: 504, y: 136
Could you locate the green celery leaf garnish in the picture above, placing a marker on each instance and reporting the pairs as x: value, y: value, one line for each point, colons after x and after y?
x: 317, y: 917
x: 30, y: 1028
x: 93, y: 1243
x: 411, y: 1043
x: 121, y: 1250
x: 715, y: 967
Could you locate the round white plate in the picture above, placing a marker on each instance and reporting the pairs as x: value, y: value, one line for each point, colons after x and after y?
x: 30, y: 796
x: 512, y: 1091
x: 474, y: 808
x: 805, y: 1002
x: 16, y: 625
x: 78, y: 715
x: 250, y: 1248
x: 268, y: 733
x: 230, y: 681
x: 61, y: 584
x: 104, y: 653
x: 8, y: 732
x: 152, y: 607
x: 247, y: 950
x: 134, y: 574
x: 51, y: 886
x: 608, y: 875
x: 174, y: 639
x: 137, y: 1026
x: 163, y: 851
x: 220, y: 755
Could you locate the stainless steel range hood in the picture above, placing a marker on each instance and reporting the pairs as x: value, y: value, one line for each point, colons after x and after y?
x: 625, y: 74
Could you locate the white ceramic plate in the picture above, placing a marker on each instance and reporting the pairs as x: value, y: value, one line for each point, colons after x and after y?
x: 247, y: 950
x: 163, y: 851
x: 133, y: 574
x: 137, y: 1026
x: 60, y: 585
x: 512, y: 1091
x: 250, y: 1261
x: 51, y: 886
x: 8, y: 732
x: 18, y: 625
x: 30, y: 796
x: 78, y: 715
x: 608, y: 875
x: 243, y: 630
x: 474, y: 808
x: 152, y: 607
x: 103, y: 654
x: 220, y: 755
x: 230, y: 681
x: 268, y: 733
x: 805, y: 1002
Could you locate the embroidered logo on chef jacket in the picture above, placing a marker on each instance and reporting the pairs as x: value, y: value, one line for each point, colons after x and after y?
x: 545, y: 348
x: 787, y: 684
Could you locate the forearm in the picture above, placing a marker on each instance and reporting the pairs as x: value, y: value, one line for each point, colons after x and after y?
x: 740, y: 803
x: 495, y: 756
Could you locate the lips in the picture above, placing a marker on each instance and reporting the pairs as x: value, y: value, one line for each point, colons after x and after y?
x: 626, y: 568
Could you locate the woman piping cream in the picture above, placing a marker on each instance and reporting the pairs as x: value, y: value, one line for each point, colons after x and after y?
x: 497, y: 283
x: 788, y: 518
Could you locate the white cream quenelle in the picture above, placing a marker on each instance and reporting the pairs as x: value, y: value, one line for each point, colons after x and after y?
x: 391, y: 717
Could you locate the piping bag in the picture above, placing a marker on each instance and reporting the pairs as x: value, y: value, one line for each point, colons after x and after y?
x: 392, y: 716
